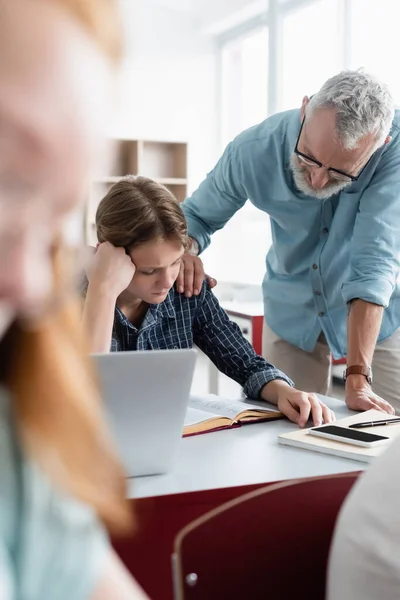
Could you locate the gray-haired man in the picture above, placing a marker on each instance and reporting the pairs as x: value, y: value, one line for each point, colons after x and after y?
x: 328, y: 175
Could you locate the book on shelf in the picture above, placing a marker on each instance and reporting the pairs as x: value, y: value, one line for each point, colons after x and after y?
x: 212, y: 413
x: 301, y: 438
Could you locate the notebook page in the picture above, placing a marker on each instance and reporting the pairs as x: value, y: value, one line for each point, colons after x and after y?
x: 195, y: 416
x: 221, y: 406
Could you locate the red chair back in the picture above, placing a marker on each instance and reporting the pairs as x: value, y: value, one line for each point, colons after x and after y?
x: 272, y: 543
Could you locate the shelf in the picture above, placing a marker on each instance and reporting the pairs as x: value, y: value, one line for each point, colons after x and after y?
x: 126, y: 159
x: 163, y: 180
x: 171, y: 180
x: 165, y: 162
x: 179, y: 191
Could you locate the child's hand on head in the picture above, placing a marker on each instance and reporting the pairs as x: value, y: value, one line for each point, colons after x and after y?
x: 111, y: 270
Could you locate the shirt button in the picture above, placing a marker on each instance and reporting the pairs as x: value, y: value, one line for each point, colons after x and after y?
x: 315, y: 266
x: 325, y: 230
x: 321, y: 314
x: 317, y: 293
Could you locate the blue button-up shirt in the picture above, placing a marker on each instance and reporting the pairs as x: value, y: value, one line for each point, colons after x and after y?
x: 180, y: 322
x: 324, y: 252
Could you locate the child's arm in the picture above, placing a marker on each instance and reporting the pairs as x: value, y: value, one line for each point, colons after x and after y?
x: 224, y: 344
x: 98, y: 318
x: 298, y: 406
x: 109, y: 275
x: 117, y: 583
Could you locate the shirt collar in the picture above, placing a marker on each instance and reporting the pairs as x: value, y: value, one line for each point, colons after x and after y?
x: 156, y: 311
x: 166, y: 308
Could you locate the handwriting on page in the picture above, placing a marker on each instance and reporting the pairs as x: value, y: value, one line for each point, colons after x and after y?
x: 219, y: 406
x: 195, y: 416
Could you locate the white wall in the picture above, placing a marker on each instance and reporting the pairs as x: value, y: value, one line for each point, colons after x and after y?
x: 168, y: 83
x: 218, y: 16
x: 169, y: 88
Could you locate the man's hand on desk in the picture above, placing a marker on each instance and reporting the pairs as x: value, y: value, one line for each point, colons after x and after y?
x: 359, y: 396
x: 191, y: 276
x: 296, y: 405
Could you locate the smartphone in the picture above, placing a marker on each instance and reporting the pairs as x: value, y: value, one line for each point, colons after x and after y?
x: 349, y: 436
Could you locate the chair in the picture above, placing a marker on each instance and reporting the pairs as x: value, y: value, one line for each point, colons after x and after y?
x: 272, y: 543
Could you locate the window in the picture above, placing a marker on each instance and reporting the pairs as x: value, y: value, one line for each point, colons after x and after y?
x: 244, y: 64
x: 237, y: 252
x: 234, y: 255
x: 311, y: 51
x: 374, y: 44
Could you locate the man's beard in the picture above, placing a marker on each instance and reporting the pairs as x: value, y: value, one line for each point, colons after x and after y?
x: 299, y: 176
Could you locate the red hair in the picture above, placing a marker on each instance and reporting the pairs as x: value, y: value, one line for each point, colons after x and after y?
x: 48, y: 372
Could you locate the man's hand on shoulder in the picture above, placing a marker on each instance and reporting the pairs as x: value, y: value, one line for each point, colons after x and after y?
x: 191, y: 274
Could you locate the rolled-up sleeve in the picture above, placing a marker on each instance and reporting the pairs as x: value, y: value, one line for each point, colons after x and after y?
x: 223, y: 342
x: 216, y: 200
x: 375, y: 248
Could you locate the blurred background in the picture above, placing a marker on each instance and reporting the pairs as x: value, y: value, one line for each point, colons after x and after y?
x: 198, y: 72
x: 201, y: 71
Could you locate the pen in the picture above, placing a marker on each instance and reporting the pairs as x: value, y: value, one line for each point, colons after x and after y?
x: 374, y: 423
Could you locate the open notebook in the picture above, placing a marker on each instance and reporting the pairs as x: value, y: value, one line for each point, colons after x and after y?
x: 301, y: 439
x: 212, y: 413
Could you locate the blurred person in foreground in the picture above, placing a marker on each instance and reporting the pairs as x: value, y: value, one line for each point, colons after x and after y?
x: 61, y: 486
x: 328, y: 176
x: 365, y: 554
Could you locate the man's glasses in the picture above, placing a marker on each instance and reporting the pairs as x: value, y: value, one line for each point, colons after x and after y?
x: 333, y: 173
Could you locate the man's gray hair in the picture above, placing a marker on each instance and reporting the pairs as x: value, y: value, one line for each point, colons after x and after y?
x: 363, y: 106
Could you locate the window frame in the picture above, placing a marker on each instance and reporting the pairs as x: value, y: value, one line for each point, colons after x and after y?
x: 273, y: 17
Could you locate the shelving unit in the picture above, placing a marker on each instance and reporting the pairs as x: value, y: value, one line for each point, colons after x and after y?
x: 165, y: 162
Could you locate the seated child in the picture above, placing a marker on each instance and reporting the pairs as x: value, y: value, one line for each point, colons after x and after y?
x: 131, y: 302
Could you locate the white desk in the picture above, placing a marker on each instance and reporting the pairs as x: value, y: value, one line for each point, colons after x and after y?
x: 244, y: 456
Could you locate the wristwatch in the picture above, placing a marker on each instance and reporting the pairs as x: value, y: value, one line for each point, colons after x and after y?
x: 358, y: 370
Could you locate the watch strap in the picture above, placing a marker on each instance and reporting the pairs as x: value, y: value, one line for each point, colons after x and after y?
x: 359, y: 370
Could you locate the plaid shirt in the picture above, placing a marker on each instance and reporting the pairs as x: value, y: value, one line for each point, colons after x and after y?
x: 181, y: 322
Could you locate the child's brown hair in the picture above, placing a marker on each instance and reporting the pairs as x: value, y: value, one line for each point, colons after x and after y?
x: 137, y: 210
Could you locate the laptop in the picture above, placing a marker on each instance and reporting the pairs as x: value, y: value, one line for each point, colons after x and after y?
x: 145, y: 397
